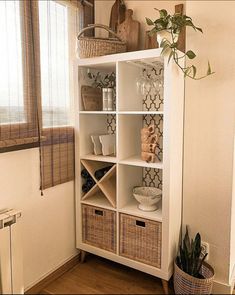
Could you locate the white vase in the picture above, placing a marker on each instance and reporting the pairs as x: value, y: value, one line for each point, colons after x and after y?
x: 166, y: 35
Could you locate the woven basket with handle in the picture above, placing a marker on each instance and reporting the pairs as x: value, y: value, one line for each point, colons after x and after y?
x: 91, y: 46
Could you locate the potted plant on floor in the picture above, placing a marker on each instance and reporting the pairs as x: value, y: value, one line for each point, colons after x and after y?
x: 192, y: 275
x: 168, y: 27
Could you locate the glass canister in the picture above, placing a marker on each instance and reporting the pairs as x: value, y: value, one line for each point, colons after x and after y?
x: 108, y: 97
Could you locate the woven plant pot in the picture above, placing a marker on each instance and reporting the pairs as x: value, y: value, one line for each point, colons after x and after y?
x: 186, y: 284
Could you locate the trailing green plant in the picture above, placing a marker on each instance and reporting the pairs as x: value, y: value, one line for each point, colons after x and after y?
x: 190, y: 257
x: 174, y: 24
x: 100, y: 81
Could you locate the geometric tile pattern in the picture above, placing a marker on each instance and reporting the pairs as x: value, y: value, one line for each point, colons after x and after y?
x: 111, y: 124
x: 152, y: 177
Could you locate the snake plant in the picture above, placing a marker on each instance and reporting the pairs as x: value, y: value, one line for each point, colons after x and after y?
x: 190, y: 257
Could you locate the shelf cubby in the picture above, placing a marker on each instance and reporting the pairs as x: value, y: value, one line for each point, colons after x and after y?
x: 130, y: 177
x: 90, y: 124
x: 130, y: 98
x: 129, y: 147
x: 104, y: 188
x: 85, y: 80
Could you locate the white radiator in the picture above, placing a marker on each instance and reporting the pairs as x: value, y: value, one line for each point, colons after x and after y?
x: 11, y: 260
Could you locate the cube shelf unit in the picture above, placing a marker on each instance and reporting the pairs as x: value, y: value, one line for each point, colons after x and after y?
x: 113, y: 193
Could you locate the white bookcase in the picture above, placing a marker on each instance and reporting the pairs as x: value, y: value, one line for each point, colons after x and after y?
x: 114, y: 192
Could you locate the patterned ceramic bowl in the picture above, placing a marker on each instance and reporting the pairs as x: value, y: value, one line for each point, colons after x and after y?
x: 148, y: 197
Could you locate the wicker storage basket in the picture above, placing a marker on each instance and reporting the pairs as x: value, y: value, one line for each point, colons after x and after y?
x: 91, y: 46
x: 99, y: 227
x: 141, y: 239
x: 186, y: 284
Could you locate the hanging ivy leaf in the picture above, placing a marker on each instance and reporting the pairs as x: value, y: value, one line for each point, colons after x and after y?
x: 194, y: 71
x: 199, y: 29
x: 170, y: 56
x: 149, y: 21
x: 209, y: 72
x: 190, y: 54
x: 163, y: 13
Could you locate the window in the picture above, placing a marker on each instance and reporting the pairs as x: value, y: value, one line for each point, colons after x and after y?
x: 37, y: 49
x: 11, y: 69
x: 54, y: 58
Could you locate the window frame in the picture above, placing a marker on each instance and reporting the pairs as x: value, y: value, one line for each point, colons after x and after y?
x: 31, y: 83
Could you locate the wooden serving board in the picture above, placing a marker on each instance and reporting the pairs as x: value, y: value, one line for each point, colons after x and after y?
x: 151, y: 41
x: 92, y: 98
x: 117, y: 15
x: 129, y: 31
x: 181, y: 41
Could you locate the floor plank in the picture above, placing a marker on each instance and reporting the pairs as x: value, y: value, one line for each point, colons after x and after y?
x: 100, y: 276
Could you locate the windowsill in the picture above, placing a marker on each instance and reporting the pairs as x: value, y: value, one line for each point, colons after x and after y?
x: 19, y: 147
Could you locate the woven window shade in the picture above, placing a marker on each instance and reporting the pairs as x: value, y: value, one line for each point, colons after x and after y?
x: 36, y: 82
x: 59, y: 25
x: 19, y: 74
x: 57, y: 156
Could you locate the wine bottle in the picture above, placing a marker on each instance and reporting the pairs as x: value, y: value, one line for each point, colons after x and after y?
x: 85, y: 174
x: 101, y: 172
x: 85, y: 188
x: 90, y: 182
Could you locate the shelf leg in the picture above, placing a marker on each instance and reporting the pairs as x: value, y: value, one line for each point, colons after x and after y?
x: 165, y: 286
x: 83, y: 256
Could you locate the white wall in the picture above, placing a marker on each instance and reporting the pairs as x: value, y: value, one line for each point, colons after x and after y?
x: 47, y: 222
x: 232, y: 232
x: 209, y: 131
x: 209, y: 124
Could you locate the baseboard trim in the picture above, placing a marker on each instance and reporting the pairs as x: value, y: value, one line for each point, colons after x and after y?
x: 221, y: 288
x: 38, y: 287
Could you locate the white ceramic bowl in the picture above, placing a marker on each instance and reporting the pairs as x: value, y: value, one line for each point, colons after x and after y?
x: 148, y: 197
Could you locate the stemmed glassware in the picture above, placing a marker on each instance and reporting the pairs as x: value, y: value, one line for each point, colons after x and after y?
x: 145, y: 82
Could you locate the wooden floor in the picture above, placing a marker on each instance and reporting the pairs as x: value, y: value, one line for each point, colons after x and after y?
x: 100, y: 276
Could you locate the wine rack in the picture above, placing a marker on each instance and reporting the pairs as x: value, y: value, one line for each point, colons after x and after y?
x: 104, y: 188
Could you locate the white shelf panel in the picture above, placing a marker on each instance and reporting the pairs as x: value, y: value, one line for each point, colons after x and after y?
x: 132, y: 209
x: 141, y: 112
x: 98, y: 112
x: 98, y: 200
x: 136, y: 161
x: 109, y: 159
x: 108, y: 61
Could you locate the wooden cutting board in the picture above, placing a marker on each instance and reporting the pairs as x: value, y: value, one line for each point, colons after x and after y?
x: 117, y: 15
x: 129, y: 31
x: 181, y: 41
x: 151, y: 41
x: 91, y: 98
